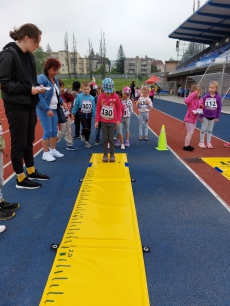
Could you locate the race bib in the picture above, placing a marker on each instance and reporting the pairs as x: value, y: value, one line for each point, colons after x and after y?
x: 86, y: 106
x: 126, y: 111
x: 143, y: 103
x: 210, y: 103
x: 107, y: 112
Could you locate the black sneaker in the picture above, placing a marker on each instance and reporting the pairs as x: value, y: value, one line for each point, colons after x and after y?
x: 37, y: 176
x: 6, y: 214
x: 7, y: 205
x: 27, y: 184
x: 188, y: 148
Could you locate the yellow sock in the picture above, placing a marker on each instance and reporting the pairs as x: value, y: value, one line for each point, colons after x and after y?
x: 30, y: 170
x: 21, y: 177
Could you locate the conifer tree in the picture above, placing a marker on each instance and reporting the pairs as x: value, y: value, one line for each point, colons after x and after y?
x: 120, y: 62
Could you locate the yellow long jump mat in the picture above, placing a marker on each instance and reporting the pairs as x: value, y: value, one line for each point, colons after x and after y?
x: 100, y: 261
x: 221, y: 164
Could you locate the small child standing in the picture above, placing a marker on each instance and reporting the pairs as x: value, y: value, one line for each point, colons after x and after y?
x: 144, y: 104
x: 128, y: 109
x: 212, y: 109
x: 84, y: 105
x: 65, y: 128
x: 98, y: 130
x: 194, y: 103
x: 120, y: 138
x: 108, y: 112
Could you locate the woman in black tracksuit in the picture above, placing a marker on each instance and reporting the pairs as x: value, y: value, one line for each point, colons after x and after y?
x: 18, y: 82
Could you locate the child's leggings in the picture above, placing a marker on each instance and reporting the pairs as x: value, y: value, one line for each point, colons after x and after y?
x: 126, y: 123
x: 143, y: 123
x: 108, y: 134
x: 207, y: 126
x: 190, y: 130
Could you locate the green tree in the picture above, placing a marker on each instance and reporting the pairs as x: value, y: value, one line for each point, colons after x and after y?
x: 48, y: 48
x: 40, y: 59
x: 120, y: 62
x: 153, y: 68
x: 172, y: 59
x: 193, y: 49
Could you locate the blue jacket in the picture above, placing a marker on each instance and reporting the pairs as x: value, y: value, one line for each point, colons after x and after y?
x: 44, y: 99
x: 78, y: 104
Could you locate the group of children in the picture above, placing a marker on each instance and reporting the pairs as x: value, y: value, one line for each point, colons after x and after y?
x: 207, y: 109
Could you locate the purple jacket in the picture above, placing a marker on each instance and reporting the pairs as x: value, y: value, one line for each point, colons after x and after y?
x: 212, y: 106
x: 193, y: 103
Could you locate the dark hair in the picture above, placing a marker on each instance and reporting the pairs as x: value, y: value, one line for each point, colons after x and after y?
x: 28, y: 29
x: 50, y: 63
x: 61, y: 83
x: 76, y: 86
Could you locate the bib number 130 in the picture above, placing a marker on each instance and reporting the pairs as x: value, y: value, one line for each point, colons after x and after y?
x: 107, y: 112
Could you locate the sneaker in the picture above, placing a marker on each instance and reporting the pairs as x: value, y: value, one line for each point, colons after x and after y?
x: 37, y: 176
x: 7, y: 205
x: 83, y: 138
x: 88, y: 145
x: 146, y: 138
x: 108, y: 145
x: 202, y: 145
x: 209, y: 145
x: 6, y: 214
x: 140, y: 138
x: 188, y: 148
x: 105, y: 158
x: 127, y: 143
x: 227, y: 144
x: 2, y: 228
x: 117, y: 143
x: 97, y: 143
x: 55, y: 153
x: 114, y: 138
x: 76, y: 137
x: 122, y: 146
x: 48, y: 157
x: 27, y: 184
x: 112, y: 158
x: 71, y: 148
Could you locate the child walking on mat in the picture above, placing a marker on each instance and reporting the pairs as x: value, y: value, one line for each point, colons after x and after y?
x: 194, y: 104
x: 108, y: 112
x: 144, y: 104
x: 212, y: 109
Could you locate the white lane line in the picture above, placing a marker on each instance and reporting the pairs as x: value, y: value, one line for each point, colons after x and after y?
x: 193, y: 172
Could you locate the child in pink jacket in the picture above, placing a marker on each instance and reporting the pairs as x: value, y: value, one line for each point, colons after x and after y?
x: 194, y: 104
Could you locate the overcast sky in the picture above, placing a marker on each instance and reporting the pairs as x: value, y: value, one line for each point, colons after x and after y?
x: 141, y: 27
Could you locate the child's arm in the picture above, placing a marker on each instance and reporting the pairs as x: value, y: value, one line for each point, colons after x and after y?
x: 190, y: 97
x: 130, y: 105
x: 118, y: 107
x: 98, y: 111
x: 93, y: 107
x: 76, y: 105
x: 219, y: 107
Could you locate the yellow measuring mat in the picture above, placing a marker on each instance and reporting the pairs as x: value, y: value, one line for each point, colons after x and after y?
x: 100, y: 259
x: 221, y: 164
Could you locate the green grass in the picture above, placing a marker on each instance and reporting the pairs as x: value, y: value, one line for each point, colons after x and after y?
x: 118, y: 83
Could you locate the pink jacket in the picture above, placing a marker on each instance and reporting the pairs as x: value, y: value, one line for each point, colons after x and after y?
x: 193, y: 103
x: 111, y: 101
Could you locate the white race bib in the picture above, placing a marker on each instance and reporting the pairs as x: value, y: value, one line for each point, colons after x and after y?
x: 126, y: 111
x: 86, y: 106
x: 143, y: 103
x: 107, y: 112
x: 210, y: 103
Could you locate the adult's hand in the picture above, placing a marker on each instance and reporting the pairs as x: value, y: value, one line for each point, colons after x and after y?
x: 50, y: 113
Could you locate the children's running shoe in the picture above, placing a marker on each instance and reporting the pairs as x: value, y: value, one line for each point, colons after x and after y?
x: 48, y: 157
x: 2, y: 228
x: 202, y: 145
x: 188, y: 148
x: 97, y: 143
x: 117, y: 143
x: 146, y: 138
x: 71, y: 148
x: 27, y: 184
x: 55, y: 153
x: 37, y: 176
x: 88, y: 145
x: 83, y: 138
x: 112, y: 158
x: 140, y: 138
x: 227, y: 144
x: 6, y: 214
x: 105, y: 158
x: 127, y: 143
x: 209, y: 145
x: 7, y: 205
x: 122, y: 146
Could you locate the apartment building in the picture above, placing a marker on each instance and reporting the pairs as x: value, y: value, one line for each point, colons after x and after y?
x: 138, y: 65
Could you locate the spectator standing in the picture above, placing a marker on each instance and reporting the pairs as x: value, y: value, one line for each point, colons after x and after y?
x: 132, y: 87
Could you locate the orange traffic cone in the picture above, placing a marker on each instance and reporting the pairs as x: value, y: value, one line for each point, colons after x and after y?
x: 162, y: 141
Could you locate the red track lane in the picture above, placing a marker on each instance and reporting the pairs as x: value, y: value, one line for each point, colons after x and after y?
x: 8, y: 169
x: 175, y: 133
